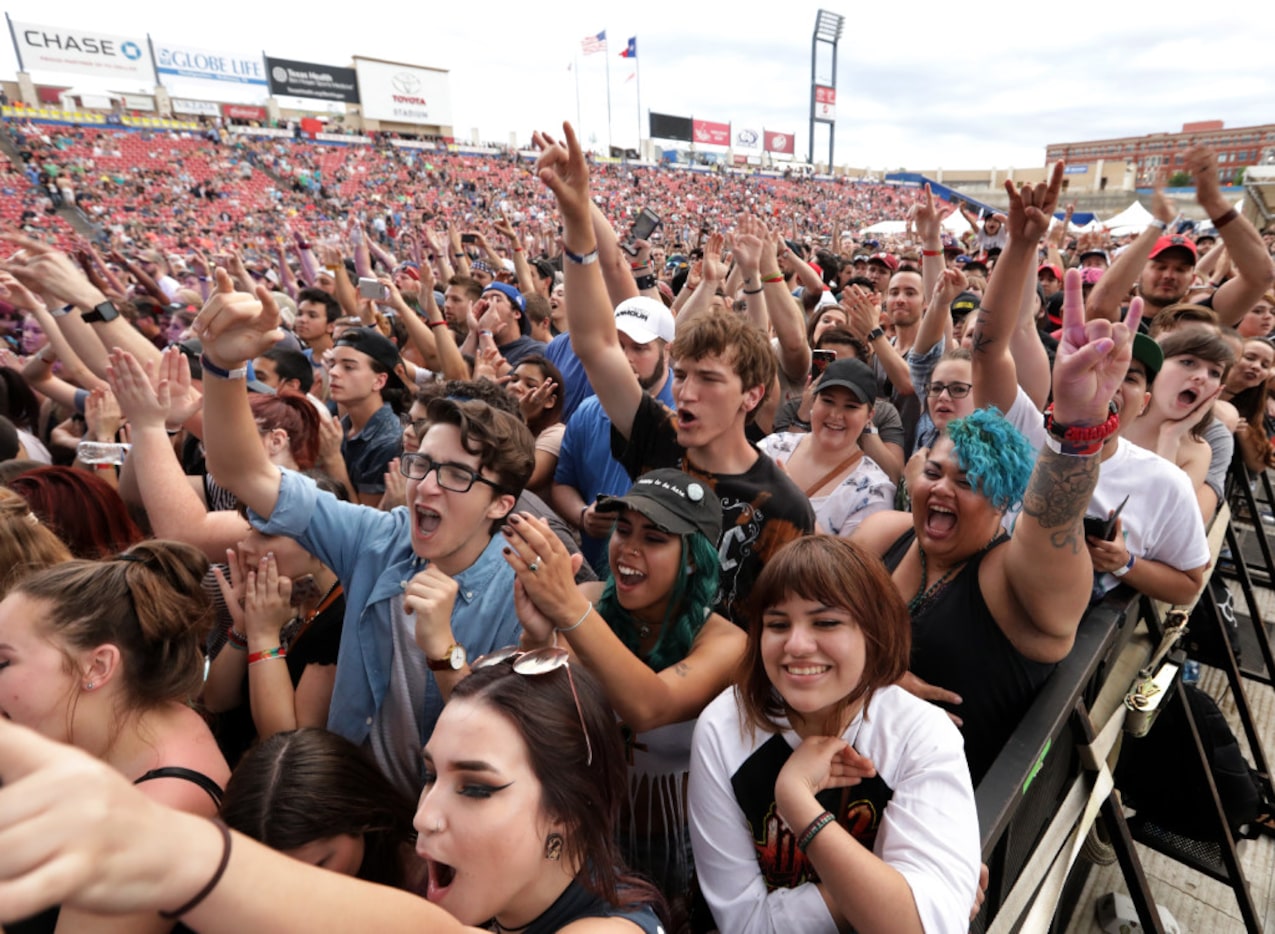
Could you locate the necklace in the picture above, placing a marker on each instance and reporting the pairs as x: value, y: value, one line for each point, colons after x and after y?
x: 924, y: 596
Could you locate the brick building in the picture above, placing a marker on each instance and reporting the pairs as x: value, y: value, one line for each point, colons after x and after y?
x: 1236, y: 148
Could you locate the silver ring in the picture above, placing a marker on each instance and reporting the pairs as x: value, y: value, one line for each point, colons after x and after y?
x: 534, y: 566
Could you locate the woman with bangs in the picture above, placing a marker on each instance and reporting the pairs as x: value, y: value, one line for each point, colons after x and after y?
x: 1246, y: 389
x: 823, y: 795
x: 977, y: 599
x: 649, y: 636
x: 1197, y: 360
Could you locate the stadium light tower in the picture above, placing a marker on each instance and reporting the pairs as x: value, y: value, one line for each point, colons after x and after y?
x: 823, y: 97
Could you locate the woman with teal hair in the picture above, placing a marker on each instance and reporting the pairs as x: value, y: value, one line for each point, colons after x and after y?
x: 991, y: 613
x: 650, y: 637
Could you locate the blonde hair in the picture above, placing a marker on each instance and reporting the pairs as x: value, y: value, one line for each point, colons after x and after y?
x: 26, y: 544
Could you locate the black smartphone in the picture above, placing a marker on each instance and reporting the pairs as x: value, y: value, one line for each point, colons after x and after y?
x: 469, y: 238
x: 1104, y: 529
x: 643, y: 227
x: 819, y: 360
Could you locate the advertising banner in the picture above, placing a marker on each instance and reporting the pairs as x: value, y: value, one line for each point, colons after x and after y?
x: 667, y: 126
x: 185, y: 62
x: 825, y: 102
x: 779, y: 142
x: 400, y: 93
x: 202, y: 108
x: 243, y: 112
x: 713, y: 134
x: 83, y: 52
x: 749, y: 139
x: 141, y: 102
x: 306, y: 79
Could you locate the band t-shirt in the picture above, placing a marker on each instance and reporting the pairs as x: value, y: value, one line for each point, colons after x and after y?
x: 762, y: 509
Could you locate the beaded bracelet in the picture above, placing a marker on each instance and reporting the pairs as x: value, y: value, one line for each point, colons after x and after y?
x: 266, y: 655
x: 812, y: 830
x: 237, y: 640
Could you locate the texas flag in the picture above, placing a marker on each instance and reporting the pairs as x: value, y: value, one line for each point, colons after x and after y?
x: 630, y: 51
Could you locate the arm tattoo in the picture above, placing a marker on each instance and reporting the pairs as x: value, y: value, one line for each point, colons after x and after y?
x: 981, y: 343
x: 1060, y: 489
x: 682, y: 669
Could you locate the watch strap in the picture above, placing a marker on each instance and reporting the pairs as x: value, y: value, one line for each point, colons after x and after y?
x: 103, y: 312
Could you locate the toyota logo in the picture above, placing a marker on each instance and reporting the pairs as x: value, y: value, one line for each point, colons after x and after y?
x: 406, y: 83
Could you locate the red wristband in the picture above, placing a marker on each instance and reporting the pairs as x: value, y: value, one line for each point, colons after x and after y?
x: 925, y: 252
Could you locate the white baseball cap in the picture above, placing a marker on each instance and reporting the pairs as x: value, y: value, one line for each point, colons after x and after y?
x: 644, y: 319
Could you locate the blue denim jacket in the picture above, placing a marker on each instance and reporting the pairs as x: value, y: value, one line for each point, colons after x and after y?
x: 371, y: 553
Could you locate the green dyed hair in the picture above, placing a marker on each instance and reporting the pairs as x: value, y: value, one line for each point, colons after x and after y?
x: 693, y: 595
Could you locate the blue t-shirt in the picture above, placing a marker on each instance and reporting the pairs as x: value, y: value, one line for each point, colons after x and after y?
x: 576, y: 385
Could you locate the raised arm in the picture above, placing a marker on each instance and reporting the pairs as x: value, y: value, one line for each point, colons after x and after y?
x: 994, y: 371
x: 236, y: 327
x: 1108, y: 294
x: 785, y: 313
x: 562, y: 168
x: 1040, y: 613
x: 616, y: 271
x: 925, y: 215
x: 502, y: 226
x: 1254, y: 269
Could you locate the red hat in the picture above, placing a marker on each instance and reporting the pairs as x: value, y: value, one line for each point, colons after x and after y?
x: 1170, y: 243
x: 1052, y: 268
x: 888, y: 260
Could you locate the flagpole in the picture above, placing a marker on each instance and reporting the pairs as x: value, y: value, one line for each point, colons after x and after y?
x: 576, y: 69
x: 606, y: 56
x: 638, y: 65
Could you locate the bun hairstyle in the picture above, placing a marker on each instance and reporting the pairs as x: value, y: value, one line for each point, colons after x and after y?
x: 148, y: 602
x: 26, y: 544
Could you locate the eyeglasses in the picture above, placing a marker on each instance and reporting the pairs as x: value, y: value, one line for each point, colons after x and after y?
x: 454, y: 477
x: 418, y: 425
x: 539, y: 662
x: 954, y: 389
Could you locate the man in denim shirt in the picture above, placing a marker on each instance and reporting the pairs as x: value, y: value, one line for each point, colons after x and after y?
x: 426, y: 585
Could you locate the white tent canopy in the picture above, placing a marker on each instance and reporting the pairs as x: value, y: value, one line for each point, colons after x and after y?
x: 1133, y: 219
x: 885, y: 227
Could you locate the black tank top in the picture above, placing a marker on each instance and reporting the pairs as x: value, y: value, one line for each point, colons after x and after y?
x: 957, y: 645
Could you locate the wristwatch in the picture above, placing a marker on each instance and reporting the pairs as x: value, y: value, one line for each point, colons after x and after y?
x: 454, y: 660
x: 103, y: 312
x: 875, y: 333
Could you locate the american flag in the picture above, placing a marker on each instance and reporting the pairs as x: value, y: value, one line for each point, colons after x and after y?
x: 591, y: 44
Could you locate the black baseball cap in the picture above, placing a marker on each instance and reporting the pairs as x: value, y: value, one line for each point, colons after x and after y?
x: 377, y: 346
x: 852, y: 374
x: 674, y: 501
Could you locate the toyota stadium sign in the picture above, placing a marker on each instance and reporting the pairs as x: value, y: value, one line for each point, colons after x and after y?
x: 397, y: 93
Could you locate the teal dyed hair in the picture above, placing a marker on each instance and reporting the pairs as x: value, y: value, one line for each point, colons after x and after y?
x: 694, y: 592
x: 995, y: 456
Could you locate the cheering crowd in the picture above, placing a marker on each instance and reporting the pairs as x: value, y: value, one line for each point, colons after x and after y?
x: 428, y: 541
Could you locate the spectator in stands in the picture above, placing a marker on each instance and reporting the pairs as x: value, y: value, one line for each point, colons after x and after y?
x: 722, y: 373
x: 281, y: 369
x: 473, y: 462
x: 503, y: 311
x: 317, y: 313
x: 365, y: 366
x: 458, y: 304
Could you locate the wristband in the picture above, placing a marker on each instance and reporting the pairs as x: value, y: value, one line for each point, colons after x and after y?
x: 1082, y: 435
x: 1121, y: 572
x: 1220, y: 222
x: 925, y: 252
x: 266, y: 655
x: 63, y: 311
x: 517, y: 249
x: 1073, y: 448
x: 636, y: 266
x: 773, y: 277
x: 441, y: 323
x: 1162, y: 226
x: 812, y: 830
x: 239, y: 372
x: 581, y: 259
x: 756, y: 291
x: 644, y: 282
x: 236, y: 640
x: 103, y: 466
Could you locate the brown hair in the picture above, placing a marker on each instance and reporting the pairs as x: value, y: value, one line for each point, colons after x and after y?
x: 1182, y: 313
x: 26, y: 545
x: 838, y: 574
x: 83, y: 510
x: 501, y: 442
x: 724, y: 334
x: 473, y: 288
x: 148, y: 602
x: 296, y: 415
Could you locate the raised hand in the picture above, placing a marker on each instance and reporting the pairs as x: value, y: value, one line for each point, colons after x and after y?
x: 267, y: 603
x: 926, y: 217
x: 102, y: 415
x: 1092, y: 359
x: 43, y: 269
x: 951, y: 283
x: 144, y: 405
x: 714, y: 268
x: 184, y: 400
x: 235, y: 327
x: 563, y: 170
x: 544, y: 568
x: 1031, y: 207
x: 748, y: 243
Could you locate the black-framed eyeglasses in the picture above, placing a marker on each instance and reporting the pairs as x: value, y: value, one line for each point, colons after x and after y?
x: 539, y: 662
x: 418, y: 425
x: 454, y: 477
x: 956, y: 390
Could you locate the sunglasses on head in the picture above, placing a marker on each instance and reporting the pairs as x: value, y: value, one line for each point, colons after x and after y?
x: 539, y: 662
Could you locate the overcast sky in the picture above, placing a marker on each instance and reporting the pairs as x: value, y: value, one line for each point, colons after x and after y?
x: 923, y: 85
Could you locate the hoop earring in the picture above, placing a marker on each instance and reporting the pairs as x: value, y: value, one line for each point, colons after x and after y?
x: 553, y: 847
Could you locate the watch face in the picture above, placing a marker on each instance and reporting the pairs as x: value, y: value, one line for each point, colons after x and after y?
x: 458, y: 657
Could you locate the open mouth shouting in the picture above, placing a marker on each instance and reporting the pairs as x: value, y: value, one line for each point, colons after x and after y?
x: 939, y: 521
x: 441, y: 877
x: 628, y: 577
x: 425, y: 522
